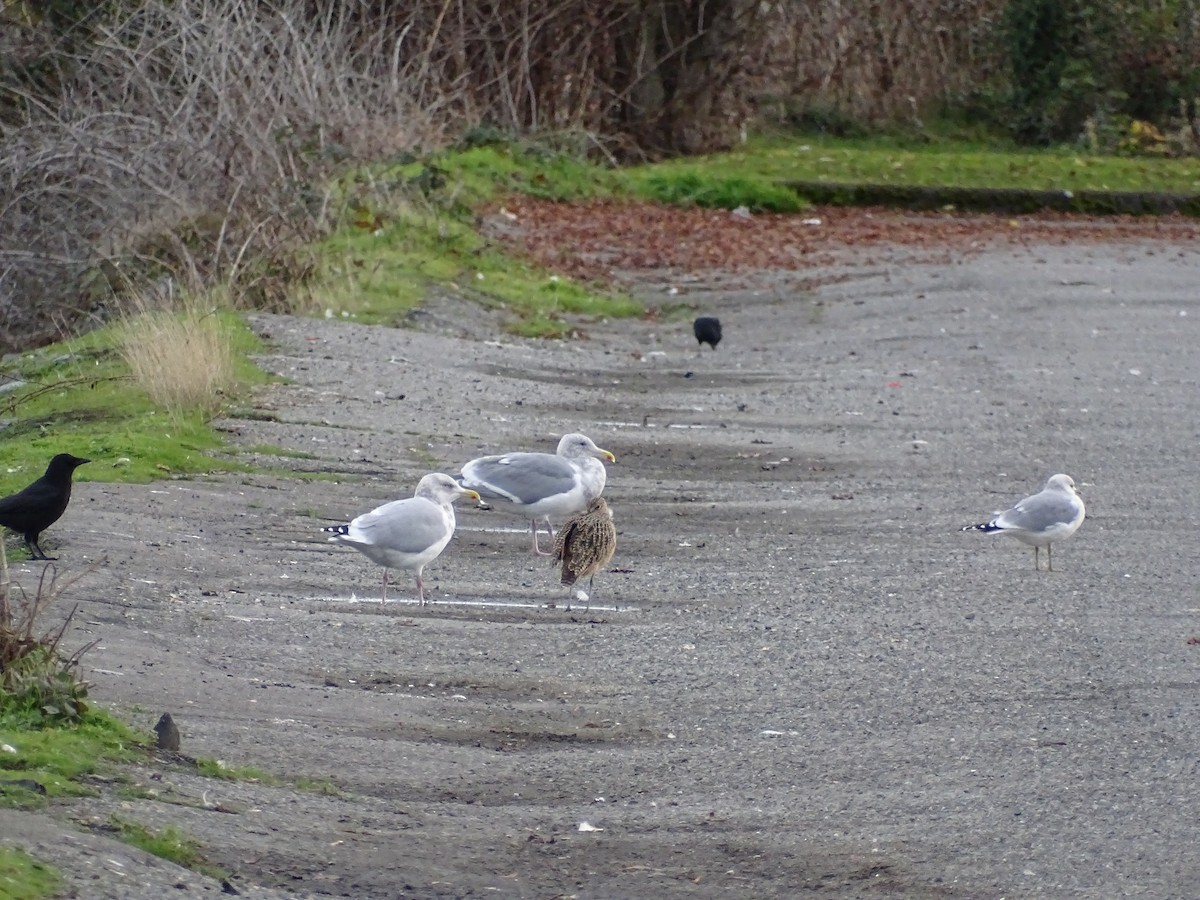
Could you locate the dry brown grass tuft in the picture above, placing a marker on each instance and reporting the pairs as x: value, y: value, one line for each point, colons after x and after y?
x: 184, y: 359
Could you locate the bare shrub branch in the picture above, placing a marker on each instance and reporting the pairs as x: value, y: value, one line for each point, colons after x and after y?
x: 180, y: 144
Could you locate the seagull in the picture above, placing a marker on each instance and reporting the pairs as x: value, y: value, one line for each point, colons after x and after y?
x: 541, y: 485
x: 586, y: 543
x: 1052, y: 515
x: 708, y: 331
x: 406, y: 534
x: 37, y: 507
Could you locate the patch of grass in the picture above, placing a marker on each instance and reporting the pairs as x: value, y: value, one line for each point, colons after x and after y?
x: 49, y: 737
x: 409, y: 231
x: 183, y: 360
x: 24, y: 878
x: 217, y: 768
x: 688, y: 186
x: 322, y: 786
x: 58, y: 757
x: 170, y: 844
x: 380, y: 276
x: 80, y: 398
x: 934, y: 162
x: 485, y: 173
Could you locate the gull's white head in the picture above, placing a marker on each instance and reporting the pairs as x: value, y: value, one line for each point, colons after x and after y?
x: 438, y: 488
x: 1062, y: 483
x: 577, y: 446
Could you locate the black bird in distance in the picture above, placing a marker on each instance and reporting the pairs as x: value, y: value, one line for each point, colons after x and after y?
x: 33, y: 510
x: 707, y: 330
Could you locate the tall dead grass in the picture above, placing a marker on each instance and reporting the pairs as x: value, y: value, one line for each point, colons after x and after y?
x: 182, y: 358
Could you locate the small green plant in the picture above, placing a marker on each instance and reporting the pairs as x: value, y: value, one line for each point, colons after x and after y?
x: 322, y: 786
x: 24, y: 878
x: 170, y: 844
x: 43, y: 683
x: 38, y: 682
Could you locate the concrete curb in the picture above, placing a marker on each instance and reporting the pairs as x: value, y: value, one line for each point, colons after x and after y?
x: 998, y: 200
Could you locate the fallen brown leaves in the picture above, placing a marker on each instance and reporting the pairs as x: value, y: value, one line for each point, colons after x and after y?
x: 599, y: 239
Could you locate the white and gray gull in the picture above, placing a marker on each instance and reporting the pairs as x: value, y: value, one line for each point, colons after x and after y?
x: 541, y: 485
x: 407, y: 534
x: 1054, y: 514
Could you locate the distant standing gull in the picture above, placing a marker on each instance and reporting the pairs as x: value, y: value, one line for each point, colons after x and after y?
x: 406, y: 534
x: 1052, y: 515
x: 707, y: 330
x: 37, y: 507
x: 541, y: 485
x: 586, y: 543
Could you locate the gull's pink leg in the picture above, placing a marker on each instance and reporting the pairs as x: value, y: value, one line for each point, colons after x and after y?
x: 535, y: 527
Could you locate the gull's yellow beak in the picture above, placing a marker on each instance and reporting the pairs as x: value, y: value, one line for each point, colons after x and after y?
x: 606, y: 455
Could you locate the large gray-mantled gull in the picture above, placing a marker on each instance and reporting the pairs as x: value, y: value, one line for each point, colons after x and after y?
x: 407, y: 534
x: 1052, y: 515
x: 586, y: 543
x: 541, y: 485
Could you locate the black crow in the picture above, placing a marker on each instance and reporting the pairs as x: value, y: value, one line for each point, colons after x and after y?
x: 708, y: 331
x: 33, y: 510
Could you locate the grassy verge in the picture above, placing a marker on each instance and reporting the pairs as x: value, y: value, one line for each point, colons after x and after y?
x: 411, y: 229
x: 890, y: 161
x: 81, y: 397
x: 168, y: 843
x: 39, y: 764
x: 24, y: 878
